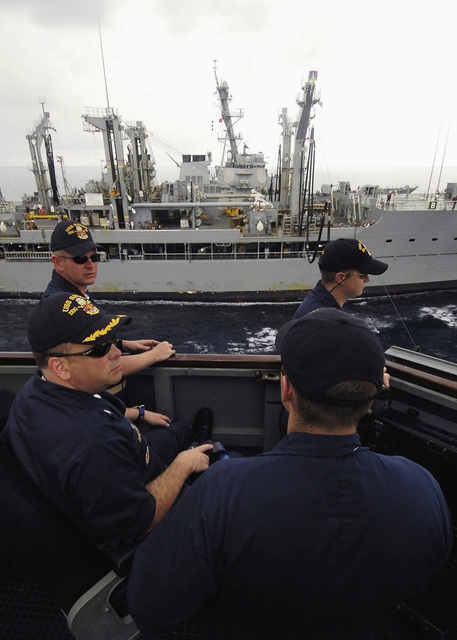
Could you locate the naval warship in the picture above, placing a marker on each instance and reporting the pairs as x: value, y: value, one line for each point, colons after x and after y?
x: 241, y: 235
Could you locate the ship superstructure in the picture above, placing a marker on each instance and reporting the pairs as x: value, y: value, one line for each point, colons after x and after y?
x: 241, y: 170
x: 193, y: 239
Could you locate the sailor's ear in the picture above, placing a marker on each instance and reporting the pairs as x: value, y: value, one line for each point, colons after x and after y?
x: 59, y: 367
x: 287, y: 390
x: 57, y: 262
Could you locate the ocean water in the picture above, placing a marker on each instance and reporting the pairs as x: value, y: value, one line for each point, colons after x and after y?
x: 429, y: 323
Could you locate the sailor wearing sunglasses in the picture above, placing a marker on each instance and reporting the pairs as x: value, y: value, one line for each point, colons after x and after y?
x: 345, y: 266
x: 75, y: 258
x: 79, y: 444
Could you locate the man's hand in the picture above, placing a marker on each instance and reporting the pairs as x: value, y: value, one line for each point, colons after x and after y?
x: 195, y: 460
x: 139, y: 345
x: 156, y: 419
x: 135, y: 362
x: 166, y: 487
x: 162, y: 351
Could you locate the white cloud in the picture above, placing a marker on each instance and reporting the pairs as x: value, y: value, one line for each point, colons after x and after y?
x: 386, y: 73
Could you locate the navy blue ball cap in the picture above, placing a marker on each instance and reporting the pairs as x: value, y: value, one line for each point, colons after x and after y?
x: 328, y: 346
x: 73, y: 237
x: 348, y: 253
x: 64, y: 317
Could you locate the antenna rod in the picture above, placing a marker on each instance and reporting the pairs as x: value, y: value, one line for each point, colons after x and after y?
x: 433, y: 165
x: 103, y: 63
x: 442, y: 161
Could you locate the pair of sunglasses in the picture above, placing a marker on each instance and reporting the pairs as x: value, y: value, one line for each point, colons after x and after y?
x: 98, y: 351
x: 95, y: 257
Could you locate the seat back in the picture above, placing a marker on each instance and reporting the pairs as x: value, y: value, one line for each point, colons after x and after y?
x: 41, y: 539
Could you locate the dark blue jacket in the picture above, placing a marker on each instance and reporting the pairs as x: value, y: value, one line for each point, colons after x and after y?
x: 86, y: 458
x: 316, y: 299
x: 319, y: 538
x: 59, y: 284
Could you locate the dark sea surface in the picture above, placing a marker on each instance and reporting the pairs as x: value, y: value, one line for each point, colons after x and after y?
x: 428, y: 321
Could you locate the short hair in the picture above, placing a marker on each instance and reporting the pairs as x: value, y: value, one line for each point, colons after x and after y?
x: 334, y: 417
x: 42, y: 357
x: 328, y: 276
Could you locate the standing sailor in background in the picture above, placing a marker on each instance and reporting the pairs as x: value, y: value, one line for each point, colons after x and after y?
x: 75, y: 261
x: 346, y: 266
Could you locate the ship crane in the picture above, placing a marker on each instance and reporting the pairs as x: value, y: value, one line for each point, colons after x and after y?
x: 305, y: 101
x: 140, y: 161
x: 66, y: 184
x: 36, y: 138
x: 109, y: 123
x: 224, y: 98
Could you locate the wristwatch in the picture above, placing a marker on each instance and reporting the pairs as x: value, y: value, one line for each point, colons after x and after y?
x: 140, y: 419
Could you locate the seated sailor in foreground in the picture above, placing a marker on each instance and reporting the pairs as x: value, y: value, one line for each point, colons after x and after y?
x: 318, y: 538
x: 113, y: 481
x: 75, y: 258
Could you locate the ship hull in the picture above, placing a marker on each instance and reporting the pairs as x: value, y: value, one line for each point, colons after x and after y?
x: 420, y: 248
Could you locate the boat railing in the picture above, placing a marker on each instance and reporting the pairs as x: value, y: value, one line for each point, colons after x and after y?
x: 193, y: 256
x: 410, y: 368
x: 27, y: 255
x: 278, y: 253
x: 415, y: 203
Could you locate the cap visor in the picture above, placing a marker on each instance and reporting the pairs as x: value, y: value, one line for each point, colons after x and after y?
x: 377, y: 267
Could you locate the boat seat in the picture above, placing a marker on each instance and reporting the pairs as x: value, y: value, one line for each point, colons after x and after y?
x: 88, y: 586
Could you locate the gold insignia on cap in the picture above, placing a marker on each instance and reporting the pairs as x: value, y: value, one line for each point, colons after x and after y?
x: 363, y: 248
x: 103, y: 332
x: 75, y: 302
x: 80, y: 230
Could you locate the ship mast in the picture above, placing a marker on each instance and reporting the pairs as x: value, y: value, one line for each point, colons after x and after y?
x: 225, y: 97
x: 286, y: 137
x: 305, y: 101
x: 109, y: 123
x: 140, y: 162
x: 39, y: 135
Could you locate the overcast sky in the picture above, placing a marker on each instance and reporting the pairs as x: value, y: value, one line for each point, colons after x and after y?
x: 386, y: 74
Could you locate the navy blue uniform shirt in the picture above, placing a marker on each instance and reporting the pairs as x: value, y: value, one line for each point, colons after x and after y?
x: 86, y: 458
x: 316, y: 299
x: 59, y: 284
x: 319, y: 538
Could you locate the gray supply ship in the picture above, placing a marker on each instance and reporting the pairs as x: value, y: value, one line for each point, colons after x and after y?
x: 242, y: 235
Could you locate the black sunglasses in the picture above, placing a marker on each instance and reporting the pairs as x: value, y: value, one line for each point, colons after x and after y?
x: 95, y: 257
x: 98, y: 351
